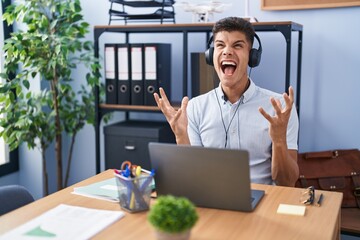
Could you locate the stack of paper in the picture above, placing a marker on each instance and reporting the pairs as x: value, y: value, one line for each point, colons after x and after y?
x: 105, y: 190
x: 291, y: 209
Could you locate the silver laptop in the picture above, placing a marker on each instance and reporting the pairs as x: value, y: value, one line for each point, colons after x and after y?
x: 209, y: 177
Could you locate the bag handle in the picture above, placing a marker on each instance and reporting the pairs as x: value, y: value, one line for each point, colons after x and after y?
x: 356, y: 180
x: 324, y: 154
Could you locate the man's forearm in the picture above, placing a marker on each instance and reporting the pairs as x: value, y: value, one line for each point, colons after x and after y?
x: 285, y: 170
x: 182, y: 140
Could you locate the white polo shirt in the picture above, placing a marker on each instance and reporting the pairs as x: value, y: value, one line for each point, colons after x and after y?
x: 210, y: 116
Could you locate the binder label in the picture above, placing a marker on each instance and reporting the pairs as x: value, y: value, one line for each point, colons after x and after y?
x: 110, y: 62
x: 123, y: 66
x: 136, y: 63
x: 150, y: 63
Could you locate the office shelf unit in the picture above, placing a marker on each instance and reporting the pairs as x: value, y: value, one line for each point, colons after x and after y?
x: 164, y: 12
x: 285, y: 28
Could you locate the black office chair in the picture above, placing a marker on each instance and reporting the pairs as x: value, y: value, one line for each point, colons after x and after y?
x: 13, y: 197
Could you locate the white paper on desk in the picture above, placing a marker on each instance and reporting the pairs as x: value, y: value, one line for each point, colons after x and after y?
x: 104, y: 190
x: 65, y: 222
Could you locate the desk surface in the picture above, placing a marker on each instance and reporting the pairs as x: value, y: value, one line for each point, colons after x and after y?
x: 264, y: 223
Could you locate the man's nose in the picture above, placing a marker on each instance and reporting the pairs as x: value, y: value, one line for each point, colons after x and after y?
x: 227, y: 51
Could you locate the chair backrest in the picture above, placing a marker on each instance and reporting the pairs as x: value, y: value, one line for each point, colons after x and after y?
x: 13, y: 197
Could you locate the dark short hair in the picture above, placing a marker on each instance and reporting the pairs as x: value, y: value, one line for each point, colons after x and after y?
x: 231, y: 24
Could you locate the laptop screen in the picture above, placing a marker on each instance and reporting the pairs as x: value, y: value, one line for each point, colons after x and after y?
x: 209, y: 177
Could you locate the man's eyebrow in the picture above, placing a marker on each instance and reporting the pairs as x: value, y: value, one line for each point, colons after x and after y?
x: 240, y: 41
x: 236, y: 42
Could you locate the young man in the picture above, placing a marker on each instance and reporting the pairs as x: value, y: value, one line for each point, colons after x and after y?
x: 239, y: 114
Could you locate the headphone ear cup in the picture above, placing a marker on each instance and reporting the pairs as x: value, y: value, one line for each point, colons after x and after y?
x: 254, y: 58
x: 255, y: 54
x: 209, y: 53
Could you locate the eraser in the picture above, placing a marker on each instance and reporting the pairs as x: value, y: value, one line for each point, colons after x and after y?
x: 291, y: 209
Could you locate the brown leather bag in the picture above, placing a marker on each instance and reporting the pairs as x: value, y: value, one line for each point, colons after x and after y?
x: 335, y: 170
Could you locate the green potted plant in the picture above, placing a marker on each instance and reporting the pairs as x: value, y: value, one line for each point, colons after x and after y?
x: 172, y: 217
x: 50, y: 47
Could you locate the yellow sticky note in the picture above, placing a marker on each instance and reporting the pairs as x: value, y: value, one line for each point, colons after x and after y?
x: 291, y: 209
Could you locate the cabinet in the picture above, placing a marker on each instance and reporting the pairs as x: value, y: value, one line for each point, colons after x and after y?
x: 286, y: 28
x: 129, y: 140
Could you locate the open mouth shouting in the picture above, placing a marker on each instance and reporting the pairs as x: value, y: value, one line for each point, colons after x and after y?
x: 228, y: 67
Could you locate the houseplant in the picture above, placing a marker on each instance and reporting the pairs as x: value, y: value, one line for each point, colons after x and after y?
x: 172, y: 217
x: 48, y: 50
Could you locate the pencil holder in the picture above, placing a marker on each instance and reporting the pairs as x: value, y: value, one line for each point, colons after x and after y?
x: 134, y: 193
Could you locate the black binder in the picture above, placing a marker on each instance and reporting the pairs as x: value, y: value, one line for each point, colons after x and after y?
x: 110, y: 73
x: 123, y: 74
x: 137, y: 74
x: 203, y: 76
x: 157, y: 70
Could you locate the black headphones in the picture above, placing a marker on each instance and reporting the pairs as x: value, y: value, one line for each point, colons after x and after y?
x: 254, y: 55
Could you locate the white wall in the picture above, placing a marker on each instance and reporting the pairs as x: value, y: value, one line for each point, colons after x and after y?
x: 330, y: 103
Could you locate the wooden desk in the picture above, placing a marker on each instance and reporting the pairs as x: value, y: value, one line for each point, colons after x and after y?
x: 350, y: 221
x: 264, y: 223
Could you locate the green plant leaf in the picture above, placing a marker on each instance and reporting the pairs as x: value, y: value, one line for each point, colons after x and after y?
x: 53, y: 45
x: 26, y: 84
x: 53, y: 24
x: 172, y: 214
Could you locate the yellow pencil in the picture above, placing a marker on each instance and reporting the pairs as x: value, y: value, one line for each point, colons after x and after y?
x: 132, y: 199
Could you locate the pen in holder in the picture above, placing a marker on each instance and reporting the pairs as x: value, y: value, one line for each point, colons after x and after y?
x: 134, y: 193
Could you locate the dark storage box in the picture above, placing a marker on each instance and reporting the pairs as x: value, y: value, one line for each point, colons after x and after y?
x: 129, y: 141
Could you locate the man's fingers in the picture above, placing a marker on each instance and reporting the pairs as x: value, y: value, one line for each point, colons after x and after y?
x: 184, y: 102
x: 163, y: 95
x: 170, y: 113
x: 157, y: 100
x: 276, y: 104
x: 162, y: 101
x: 291, y: 93
x: 177, y: 115
x: 289, y: 99
x: 265, y: 114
